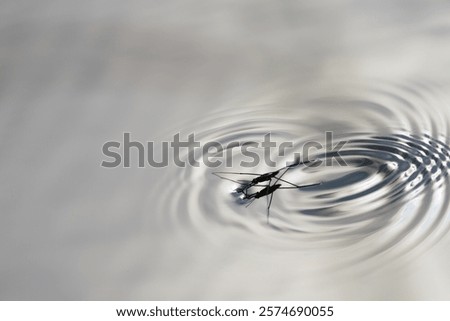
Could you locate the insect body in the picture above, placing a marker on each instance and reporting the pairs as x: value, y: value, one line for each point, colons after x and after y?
x: 267, y: 189
x: 265, y: 177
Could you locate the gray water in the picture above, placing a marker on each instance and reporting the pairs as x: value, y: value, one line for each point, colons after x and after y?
x: 75, y: 75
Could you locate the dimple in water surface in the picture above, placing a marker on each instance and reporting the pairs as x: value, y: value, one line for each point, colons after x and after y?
x: 389, y: 200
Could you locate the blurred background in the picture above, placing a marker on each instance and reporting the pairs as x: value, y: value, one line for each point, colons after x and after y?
x: 76, y: 74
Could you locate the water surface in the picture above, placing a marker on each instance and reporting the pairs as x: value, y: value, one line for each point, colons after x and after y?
x: 75, y: 75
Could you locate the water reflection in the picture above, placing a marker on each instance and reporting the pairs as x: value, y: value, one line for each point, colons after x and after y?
x: 389, y: 199
x: 75, y: 74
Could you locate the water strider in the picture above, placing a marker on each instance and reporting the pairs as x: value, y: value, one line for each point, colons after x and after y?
x: 267, y: 190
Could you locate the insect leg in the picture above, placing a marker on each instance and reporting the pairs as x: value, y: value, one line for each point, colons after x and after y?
x: 251, y: 202
x: 299, y: 186
x: 268, y: 207
x: 228, y: 179
x: 287, y: 182
x: 309, y: 185
x: 237, y: 173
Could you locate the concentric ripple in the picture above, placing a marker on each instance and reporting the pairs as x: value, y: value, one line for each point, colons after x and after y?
x: 386, y: 196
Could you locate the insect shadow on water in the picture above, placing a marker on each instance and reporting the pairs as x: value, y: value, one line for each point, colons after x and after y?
x: 268, y: 189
